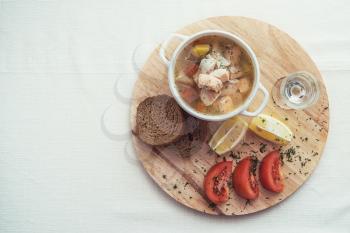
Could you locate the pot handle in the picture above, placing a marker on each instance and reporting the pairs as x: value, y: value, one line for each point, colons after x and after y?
x: 165, y: 44
x: 262, y: 105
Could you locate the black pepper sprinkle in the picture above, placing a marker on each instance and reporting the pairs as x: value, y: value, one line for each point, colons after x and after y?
x: 164, y: 176
x: 235, y: 156
x: 175, y: 186
x: 262, y: 148
x: 254, y: 165
x: 289, y: 153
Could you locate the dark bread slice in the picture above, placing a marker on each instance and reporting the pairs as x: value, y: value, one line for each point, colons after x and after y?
x: 194, y: 138
x: 159, y: 120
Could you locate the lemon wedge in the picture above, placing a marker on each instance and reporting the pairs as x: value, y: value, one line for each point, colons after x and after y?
x: 229, y: 134
x: 271, y: 129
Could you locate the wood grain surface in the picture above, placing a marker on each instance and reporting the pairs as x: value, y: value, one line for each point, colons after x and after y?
x: 278, y: 55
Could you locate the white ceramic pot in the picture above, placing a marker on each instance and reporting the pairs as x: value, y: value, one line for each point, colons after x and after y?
x: 242, y: 109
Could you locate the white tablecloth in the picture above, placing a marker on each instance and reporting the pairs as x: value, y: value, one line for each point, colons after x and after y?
x: 60, y: 172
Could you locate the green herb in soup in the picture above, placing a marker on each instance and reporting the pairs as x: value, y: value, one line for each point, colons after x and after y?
x: 214, y: 75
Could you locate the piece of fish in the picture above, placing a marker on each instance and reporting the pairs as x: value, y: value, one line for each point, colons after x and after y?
x: 233, y: 54
x: 236, y: 75
x: 208, y: 97
x: 221, y: 62
x: 243, y: 85
x: 209, y: 82
x: 230, y: 87
x: 222, y: 74
x: 224, y: 104
x: 207, y: 65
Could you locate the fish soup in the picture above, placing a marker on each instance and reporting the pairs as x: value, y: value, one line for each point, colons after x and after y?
x: 214, y: 75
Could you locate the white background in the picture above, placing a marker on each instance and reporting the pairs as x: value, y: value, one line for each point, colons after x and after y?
x: 59, y: 61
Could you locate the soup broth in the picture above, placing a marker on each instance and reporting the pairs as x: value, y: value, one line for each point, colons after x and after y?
x: 214, y: 75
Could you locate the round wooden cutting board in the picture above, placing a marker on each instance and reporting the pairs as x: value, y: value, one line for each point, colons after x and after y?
x: 278, y: 55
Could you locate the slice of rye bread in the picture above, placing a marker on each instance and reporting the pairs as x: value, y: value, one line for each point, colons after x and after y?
x: 194, y: 139
x: 159, y: 120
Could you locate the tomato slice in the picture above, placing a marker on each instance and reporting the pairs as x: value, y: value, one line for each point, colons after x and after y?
x: 191, y: 69
x: 244, y: 179
x: 215, y: 182
x: 270, y: 172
